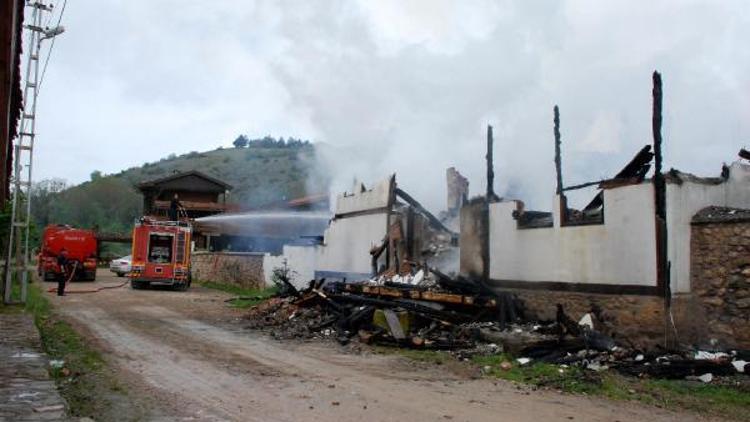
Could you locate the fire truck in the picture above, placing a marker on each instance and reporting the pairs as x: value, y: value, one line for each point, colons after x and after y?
x: 81, y: 246
x: 161, y: 254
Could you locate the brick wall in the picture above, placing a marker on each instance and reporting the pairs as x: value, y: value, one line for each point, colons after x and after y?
x: 237, y: 268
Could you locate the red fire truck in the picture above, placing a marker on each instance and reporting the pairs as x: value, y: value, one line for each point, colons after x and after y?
x: 161, y: 254
x: 81, y: 246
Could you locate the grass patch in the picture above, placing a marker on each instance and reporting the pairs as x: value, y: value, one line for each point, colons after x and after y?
x: 718, y: 400
x: 729, y: 400
x: 246, y: 297
x: 570, y: 379
x: 428, y: 356
x: 83, y: 380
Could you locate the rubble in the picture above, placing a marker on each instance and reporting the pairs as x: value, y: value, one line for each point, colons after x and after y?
x: 429, y: 310
x: 419, y: 310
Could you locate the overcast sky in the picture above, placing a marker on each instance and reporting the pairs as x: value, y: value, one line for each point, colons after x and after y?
x: 402, y: 86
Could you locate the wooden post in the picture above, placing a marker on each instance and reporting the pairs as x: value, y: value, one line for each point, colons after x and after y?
x: 558, y: 159
x: 558, y: 168
x: 490, y: 166
x: 660, y: 208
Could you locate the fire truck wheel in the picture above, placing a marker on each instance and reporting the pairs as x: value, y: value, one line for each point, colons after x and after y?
x: 181, y: 287
x: 135, y: 284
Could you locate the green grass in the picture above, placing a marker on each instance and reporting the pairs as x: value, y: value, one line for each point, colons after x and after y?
x: 84, y: 380
x: 428, y: 356
x: 255, y: 296
x: 570, y: 379
x: 719, y: 400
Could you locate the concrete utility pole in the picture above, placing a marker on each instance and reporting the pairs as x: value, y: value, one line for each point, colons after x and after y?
x: 17, y: 259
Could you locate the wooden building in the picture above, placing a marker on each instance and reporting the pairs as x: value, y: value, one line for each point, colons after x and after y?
x: 11, y: 96
x: 201, y: 195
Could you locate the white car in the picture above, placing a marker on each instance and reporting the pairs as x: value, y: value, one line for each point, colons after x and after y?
x: 120, y: 266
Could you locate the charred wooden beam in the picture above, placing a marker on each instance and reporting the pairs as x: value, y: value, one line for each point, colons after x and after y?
x: 744, y: 154
x: 490, y: 166
x: 639, y: 165
x: 633, y: 172
x: 430, y: 217
x: 660, y: 206
x: 558, y: 159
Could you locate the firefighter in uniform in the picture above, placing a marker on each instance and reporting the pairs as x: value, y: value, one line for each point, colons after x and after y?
x: 62, y: 276
x: 174, y: 207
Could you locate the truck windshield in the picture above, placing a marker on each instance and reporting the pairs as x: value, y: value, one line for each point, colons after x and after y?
x: 160, y: 248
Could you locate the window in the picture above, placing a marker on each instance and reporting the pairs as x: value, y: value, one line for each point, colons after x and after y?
x: 160, y: 248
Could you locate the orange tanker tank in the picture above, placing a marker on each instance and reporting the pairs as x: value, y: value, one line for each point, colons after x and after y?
x: 81, y: 246
x: 161, y: 254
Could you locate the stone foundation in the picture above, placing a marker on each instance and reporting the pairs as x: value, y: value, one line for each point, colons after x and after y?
x: 720, y: 278
x: 632, y: 320
x: 237, y: 268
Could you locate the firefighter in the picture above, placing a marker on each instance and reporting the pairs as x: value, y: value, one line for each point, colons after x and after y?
x: 174, y: 207
x: 62, y: 276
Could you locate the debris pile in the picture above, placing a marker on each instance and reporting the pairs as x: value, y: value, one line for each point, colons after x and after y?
x: 569, y: 343
x: 429, y: 310
x: 423, y: 310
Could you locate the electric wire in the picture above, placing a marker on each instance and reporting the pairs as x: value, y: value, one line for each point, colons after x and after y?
x: 52, y: 46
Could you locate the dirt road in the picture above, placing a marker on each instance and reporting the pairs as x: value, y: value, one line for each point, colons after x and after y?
x: 188, y: 353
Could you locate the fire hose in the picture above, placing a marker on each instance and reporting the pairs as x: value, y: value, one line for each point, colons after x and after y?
x: 70, y: 278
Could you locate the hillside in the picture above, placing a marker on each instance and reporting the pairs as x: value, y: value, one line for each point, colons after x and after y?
x: 262, y: 172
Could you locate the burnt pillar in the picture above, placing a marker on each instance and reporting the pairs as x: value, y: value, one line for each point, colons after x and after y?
x: 490, y: 166
x: 660, y: 208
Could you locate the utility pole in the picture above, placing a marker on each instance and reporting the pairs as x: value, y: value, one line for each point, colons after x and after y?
x: 17, y: 259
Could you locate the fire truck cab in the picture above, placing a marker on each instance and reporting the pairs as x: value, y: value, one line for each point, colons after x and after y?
x: 161, y: 254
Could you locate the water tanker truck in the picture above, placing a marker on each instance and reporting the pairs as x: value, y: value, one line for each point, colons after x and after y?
x: 81, y: 246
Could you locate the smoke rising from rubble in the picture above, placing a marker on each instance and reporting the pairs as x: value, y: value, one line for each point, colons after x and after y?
x: 400, y: 86
x: 410, y: 89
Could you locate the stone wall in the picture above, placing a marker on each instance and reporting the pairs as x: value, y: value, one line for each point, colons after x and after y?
x: 631, y: 319
x: 720, y: 276
x: 243, y: 269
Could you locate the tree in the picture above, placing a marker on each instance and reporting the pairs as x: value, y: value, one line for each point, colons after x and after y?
x: 240, y: 142
x: 96, y: 174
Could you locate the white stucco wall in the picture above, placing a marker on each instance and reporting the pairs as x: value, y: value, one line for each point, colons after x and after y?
x: 375, y: 198
x: 621, y: 251
x: 684, y: 200
x: 269, y: 263
x: 299, y: 259
x: 347, y: 243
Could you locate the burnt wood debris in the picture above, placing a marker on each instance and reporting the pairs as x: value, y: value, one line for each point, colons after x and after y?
x: 431, y: 310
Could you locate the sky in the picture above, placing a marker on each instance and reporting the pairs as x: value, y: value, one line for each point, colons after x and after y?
x: 404, y: 86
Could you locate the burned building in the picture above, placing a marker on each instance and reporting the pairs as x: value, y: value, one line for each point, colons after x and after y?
x: 458, y: 191
x: 376, y: 231
x: 631, y: 254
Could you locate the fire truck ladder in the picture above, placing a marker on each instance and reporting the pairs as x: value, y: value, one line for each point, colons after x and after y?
x: 18, y: 241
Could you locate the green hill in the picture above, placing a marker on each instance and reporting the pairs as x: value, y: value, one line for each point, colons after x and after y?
x: 264, y: 171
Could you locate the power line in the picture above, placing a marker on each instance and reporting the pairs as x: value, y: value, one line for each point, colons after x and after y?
x: 52, y: 45
x: 50, y: 17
